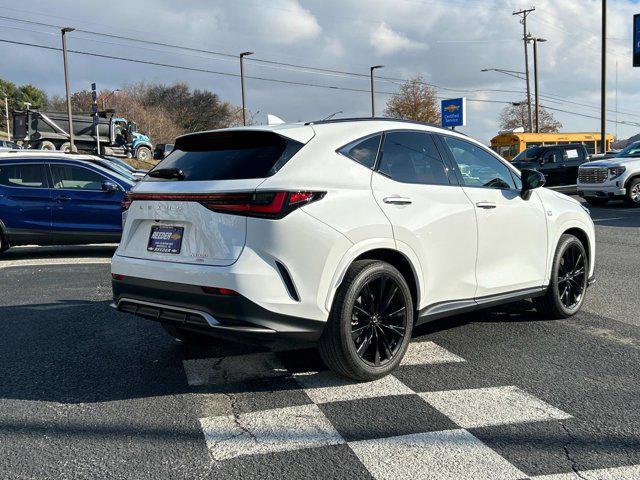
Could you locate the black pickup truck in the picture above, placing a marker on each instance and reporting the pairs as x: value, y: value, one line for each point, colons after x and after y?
x: 558, y: 163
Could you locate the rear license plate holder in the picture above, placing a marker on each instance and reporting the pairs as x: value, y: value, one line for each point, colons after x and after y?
x: 165, y: 239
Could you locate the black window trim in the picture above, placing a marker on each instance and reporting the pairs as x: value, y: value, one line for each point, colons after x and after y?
x: 511, y: 169
x: 43, y: 167
x: 104, y: 177
x: 453, y: 180
x: 362, y: 139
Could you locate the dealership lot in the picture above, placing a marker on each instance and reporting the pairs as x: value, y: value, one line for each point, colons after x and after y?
x: 88, y: 392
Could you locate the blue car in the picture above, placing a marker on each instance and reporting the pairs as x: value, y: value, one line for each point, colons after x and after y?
x: 51, y: 198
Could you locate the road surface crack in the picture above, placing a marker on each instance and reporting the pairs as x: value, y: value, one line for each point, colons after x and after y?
x: 565, y: 447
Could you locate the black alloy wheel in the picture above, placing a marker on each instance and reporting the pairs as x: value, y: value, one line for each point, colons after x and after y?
x: 569, y: 278
x: 379, y: 321
x: 572, y: 277
x: 370, y: 324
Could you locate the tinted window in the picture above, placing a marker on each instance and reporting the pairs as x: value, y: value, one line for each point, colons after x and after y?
x: 412, y: 157
x: 632, y: 150
x: 529, y: 154
x: 23, y: 176
x: 478, y: 167
x: 227, y: 156
x: 363, y: 151
x: 75, y: 178
x: 552, y: 156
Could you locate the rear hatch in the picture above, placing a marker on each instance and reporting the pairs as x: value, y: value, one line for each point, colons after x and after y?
x: 191, y: 207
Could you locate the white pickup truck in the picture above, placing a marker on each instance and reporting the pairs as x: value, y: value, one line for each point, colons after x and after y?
x: 612, y: 178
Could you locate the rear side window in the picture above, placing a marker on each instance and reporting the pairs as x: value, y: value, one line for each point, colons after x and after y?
x: 227, y: 156
x: 29, y: 175
x: 363, y: 151
x: 412, y: 157
x: 75, y: 178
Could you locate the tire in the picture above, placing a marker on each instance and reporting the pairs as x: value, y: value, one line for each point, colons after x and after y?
x: 143, y: 154
x: 185, y: 336
x: 46, y: 145
x: 632, y: 197
x: 557, y: 301
x: 385, y: 334
x: 66, y: 147
x: 596, y: 202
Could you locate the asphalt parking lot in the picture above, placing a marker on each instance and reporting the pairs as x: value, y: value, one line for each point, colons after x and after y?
x: 90, y: 393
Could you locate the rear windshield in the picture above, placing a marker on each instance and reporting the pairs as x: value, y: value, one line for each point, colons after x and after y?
x: 231, y: 155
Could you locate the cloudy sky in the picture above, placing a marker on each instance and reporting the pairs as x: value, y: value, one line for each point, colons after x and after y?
x: 448, y: 42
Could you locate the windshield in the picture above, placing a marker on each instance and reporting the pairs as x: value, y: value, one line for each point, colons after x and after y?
x: 529, y: 154
x: 122, y: 163
x: 116, y: 168
x: 632, y: 150
x: 227, y: 155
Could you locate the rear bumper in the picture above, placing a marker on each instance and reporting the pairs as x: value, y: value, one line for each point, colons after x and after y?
x: 228, y: 316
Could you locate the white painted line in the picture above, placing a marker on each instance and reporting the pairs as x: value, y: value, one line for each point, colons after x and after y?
x: 54, y: 261
x: 423, y: 353
x: 480, y: 407
x: 631, y: 472
x: 326, y: 387
x: 232, y: 369
x: 277, y: 430
x: 444, y: 455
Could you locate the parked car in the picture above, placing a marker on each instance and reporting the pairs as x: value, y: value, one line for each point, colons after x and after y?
x: 136, y: 172
x: 6, y: 145
x: 343, y: 233
x: 110, y: 165
x: 162, y: 150
x: 558, y: 163
x: 613, y: 178
x: 48, y: 198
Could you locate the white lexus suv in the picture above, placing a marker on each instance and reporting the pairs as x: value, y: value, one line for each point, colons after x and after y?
x: 344, y: 233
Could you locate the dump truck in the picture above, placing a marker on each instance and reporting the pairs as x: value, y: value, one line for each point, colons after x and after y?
x: 50, y: 131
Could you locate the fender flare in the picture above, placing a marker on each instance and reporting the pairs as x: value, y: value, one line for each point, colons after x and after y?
x: 631, y: 177
x: 561, y: 230
x: 360, y: 248
x: 142, y: 144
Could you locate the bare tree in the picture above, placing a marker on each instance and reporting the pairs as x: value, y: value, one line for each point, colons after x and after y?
x: 516, y: 115
x: 416, y: 100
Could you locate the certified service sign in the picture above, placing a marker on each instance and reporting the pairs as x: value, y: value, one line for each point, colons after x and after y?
x: 454, y: 112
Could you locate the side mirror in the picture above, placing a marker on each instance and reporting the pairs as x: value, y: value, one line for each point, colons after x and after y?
x: 531, y: 179
x: 109, y: 187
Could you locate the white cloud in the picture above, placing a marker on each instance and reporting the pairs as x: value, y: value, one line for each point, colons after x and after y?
x: 287, y: 22
x: 386, y: 41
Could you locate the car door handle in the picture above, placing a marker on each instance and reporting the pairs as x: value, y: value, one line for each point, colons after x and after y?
x: 487, y: 205
x: 397, y: 200
x: 63, y: 198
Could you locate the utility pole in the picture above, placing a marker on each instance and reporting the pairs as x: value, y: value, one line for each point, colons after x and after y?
x: 535, y: 79
x: 244, y: 106
x: 525, y: 13
x: 6, y: 112
x: 373, y: 92
x: 64, y: 31
x: 603, y: 82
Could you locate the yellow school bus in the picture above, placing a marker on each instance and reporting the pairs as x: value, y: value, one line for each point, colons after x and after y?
x: 509, y: 144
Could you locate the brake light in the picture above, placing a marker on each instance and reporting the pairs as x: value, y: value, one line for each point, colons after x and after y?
x: 268, y: 204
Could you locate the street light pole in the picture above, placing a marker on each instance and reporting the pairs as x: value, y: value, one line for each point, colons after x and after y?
x: 511, y: 73
x: 6, y: 112
x: 603, y: 85
x: 373, y: 92
x: 244, y: 106
x: 104, y: 99
x: 64, y: 31
x: 535, y: 81
x: 525, y: 37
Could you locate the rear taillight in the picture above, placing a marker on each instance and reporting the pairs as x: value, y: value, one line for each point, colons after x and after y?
x: 125, y: 203
x: 269, y: 204
x: 219, y: 291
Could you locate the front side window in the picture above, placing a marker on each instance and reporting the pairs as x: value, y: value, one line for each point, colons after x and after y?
x: 75, y: 178
x: 363, y: 151
x: 478, y: 167
x: 30, y: 175
x: 552, y: 156
x: 412, y: 157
